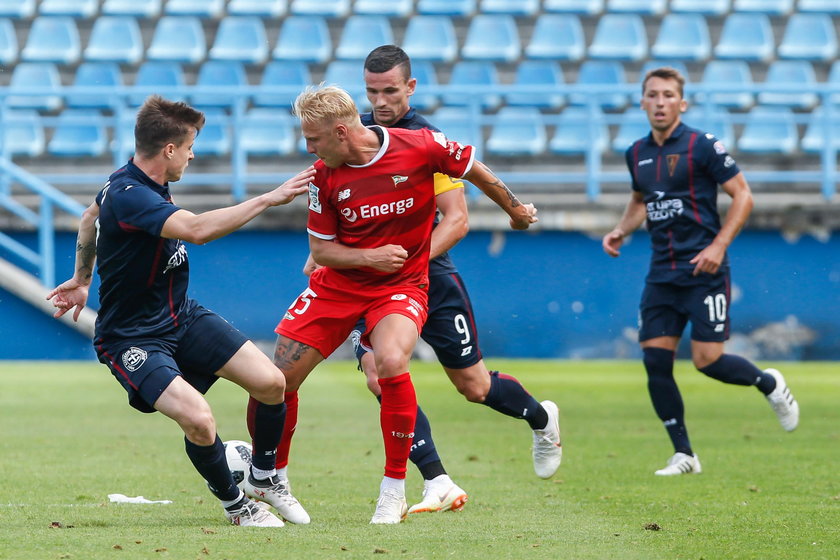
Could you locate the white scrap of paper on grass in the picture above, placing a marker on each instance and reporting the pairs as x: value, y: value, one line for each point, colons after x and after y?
x: 123, y: 499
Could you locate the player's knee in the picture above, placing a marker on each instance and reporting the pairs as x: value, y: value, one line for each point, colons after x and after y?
x: 273, y: 391
x: 391, y: 364
x: 199, y: 426
x: 703, y: 359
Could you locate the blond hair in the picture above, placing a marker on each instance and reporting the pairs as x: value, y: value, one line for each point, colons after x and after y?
x: 325, y: 104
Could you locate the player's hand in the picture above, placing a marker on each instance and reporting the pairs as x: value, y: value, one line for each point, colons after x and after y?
x: 527, y: 217
x: 709, y: 259
x: 611, y: 243
x: 292, y: 188
x: 68, y: 295
x: 388, y: 258
x: 310, y: 266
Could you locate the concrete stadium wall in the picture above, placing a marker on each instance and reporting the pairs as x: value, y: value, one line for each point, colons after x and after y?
x: 542, y: 294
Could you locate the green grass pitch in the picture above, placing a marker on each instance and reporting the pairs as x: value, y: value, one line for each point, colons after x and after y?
x: 69, y: 439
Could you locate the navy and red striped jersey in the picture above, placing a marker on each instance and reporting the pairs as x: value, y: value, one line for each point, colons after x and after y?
x: 679, y: 181
x: 389, y: 200
x: 143, y: 276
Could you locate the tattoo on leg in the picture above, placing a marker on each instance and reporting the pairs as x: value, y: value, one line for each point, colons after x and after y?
x: 287, y: 352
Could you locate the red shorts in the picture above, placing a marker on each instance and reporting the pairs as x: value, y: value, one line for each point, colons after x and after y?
x: 326, y: 312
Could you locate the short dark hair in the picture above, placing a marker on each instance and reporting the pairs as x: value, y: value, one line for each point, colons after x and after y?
x: 160, y: 121
x: 666, y: 73
x: 381, y: 59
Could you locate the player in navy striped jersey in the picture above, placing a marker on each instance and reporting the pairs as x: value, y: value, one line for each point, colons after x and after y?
x: 164, y: 348
x: 675, y: 173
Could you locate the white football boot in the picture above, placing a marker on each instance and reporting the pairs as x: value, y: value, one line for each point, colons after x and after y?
x: 783, y: 403
x: 681, y: 463
x: 547, y: 449
x: 252, y: 515
x: 440, y: 494
x: 277, y: 492
x: 391, y: 508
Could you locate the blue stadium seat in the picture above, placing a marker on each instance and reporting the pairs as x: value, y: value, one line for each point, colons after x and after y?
x: 457, y: 125
x: 585, y: 7
x: 115, y: 39
x: 809, y: 37
x: 633, y: 125
x: 219, y: 74
x: 768, y: 7
x: 198, y: 8
x: 460, y: 8
x: 53, y: 39
x: 619, y: 37
x: 571, y: 137
x: 178, y: 39
x: 473, y: 74
x: 545, y: 73
x: 241, y: 39
x: 769, y: 131
x: 834, y: 80
x: 557, y: 37
x: 156, y: 77
x: 390, y: 8
x: 304, y: 38
x: 716, y: 122
x: 267, y: 132
x: 831, y: 7
x: 511, y: 7
x: 43, y: 75
x: 517, y: 131
x: 324, y: 8
x: 106, y: 75
x: 424, y: 72
x: 728, y: 73
x: 291, y: 73
x: 262, y: 8
x: 683, y: 37
x: 492, y: 38
x: 746, y: 37
x: 813, y: 141
x: 123, y: 140
x: 646, y: 7
x: 348, y: 75
x: 601, y: 73
x: 362, y: 34
x: 71, y: 8
x: 215, y: 137
x: 146, y: 9
x: 79, y: 133
x: 23, y: 133
x: 18, y: 9
x: 430, y: 38
x: 8, y: 43
x: 798, y: 73
x: 706, y: 7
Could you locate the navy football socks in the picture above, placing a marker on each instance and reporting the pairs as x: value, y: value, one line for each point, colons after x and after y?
x: 209, y: 461
x: 739, y: 371
x: 508, y: 396
x: 268, y: 429
x: 666, y: 398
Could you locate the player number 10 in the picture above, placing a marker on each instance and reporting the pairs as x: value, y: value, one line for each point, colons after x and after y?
x: 717, y: 307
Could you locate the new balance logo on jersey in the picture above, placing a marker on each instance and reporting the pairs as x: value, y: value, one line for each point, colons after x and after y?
x: 397, y: 207
x: 343, y: 195
x: 398, y: 179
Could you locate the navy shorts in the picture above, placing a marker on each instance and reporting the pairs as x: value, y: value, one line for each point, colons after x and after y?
x: 196, y: 350
x: 666, y: 308
x: 450, y: 328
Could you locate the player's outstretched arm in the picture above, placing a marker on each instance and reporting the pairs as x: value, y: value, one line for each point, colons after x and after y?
x: 710, y: 258
x: 326, y: 252
x: 74, y: 292
x: 208, y: 226
x: 521, y: 215
x: 633, y: 217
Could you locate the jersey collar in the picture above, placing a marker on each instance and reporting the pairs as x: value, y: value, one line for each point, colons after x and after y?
x: 672, y: 138
x: 386, y: 140
x: 145, y: 179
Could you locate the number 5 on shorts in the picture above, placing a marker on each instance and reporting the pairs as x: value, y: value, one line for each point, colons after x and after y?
x: 305, y: 299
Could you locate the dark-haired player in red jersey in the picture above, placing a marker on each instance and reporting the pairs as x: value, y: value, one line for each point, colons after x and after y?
x: 675, y: 173
x: 371, y: 211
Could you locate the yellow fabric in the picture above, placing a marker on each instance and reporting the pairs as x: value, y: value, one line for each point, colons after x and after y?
x: 444, y: 183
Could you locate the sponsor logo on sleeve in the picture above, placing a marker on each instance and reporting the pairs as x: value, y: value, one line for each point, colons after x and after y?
x: 439, y: 138
x: 719, y: 148
x: 728, y: 161
x: 314, y: 201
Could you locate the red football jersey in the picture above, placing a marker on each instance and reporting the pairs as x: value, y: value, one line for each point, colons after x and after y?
x: 389, y: 200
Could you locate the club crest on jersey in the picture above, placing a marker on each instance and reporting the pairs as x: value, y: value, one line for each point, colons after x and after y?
x: 399, y: 179
x: 343, y: 194
x: 672, y: 160
x: 133, y: 358
x: 314, y: 201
